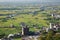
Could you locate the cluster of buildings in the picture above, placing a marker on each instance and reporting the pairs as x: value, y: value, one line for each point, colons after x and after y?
x: 55, y: 15
x: 54, y: 27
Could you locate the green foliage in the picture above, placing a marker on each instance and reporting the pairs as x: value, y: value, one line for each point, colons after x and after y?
x: 50, y: 36
x: 2, y: 34
x: 57, y: 36
x: 8, y: 31
x: 41, y: 37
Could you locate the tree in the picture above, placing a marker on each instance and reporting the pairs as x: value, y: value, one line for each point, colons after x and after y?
x: 57, y: 36
x: 41, y: 37
x: 50, y: 35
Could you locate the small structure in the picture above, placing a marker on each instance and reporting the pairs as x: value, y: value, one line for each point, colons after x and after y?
x: 25, y: 30
x: 51, y: 25
x: 47, y: 29
x: 10, y: 35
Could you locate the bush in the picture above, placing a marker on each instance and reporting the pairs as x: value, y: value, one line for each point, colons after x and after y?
x: 57, y: 36
x: 41, y: 37
x: 2, y: 35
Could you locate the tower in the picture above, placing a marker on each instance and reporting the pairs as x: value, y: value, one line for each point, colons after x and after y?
x: 25, y: 30
x: 51, y: 25
x: 22, y: 30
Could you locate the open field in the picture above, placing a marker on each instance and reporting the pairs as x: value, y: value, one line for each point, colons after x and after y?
x: 30, y: 15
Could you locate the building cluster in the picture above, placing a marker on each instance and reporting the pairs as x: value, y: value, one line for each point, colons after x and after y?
x: 53, y: 26
x: 55, y: 15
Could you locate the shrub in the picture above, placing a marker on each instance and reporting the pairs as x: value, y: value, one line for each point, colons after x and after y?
x: 2, y: 35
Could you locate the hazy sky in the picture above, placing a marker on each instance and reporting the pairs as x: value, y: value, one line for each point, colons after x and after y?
x: 30, y: 0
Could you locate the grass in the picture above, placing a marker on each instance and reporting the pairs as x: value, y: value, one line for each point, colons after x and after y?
x: 26, y: 18
x: 9, y: 30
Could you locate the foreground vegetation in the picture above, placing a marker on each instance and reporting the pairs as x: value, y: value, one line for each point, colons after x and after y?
x: 50, y: 36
